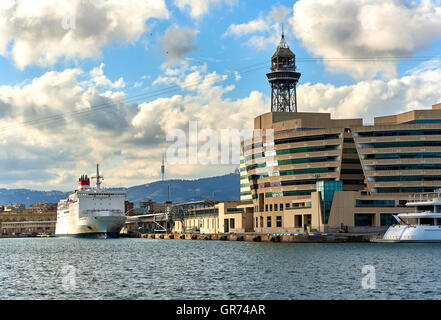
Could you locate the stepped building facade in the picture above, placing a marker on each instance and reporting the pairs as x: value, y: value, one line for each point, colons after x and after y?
x: 308, y: 170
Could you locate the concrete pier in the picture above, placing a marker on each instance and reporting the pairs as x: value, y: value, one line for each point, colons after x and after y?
x: 257, y: 237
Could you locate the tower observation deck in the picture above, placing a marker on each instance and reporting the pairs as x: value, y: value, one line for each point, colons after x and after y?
x: 283, y: 79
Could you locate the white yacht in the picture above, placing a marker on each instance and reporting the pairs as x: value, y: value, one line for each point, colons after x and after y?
x: 422, y: 225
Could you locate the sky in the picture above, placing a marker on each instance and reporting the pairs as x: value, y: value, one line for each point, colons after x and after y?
x: 94, y: 81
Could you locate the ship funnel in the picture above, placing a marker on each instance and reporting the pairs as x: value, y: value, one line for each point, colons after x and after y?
x: 84, y: 183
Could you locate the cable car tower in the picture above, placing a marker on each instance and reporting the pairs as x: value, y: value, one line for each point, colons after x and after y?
x: 283, y: 79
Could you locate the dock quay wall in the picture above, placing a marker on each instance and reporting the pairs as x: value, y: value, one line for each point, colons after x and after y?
x: 256, y: 237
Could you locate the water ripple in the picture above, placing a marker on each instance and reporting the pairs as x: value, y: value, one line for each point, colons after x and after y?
x: 176, y: 269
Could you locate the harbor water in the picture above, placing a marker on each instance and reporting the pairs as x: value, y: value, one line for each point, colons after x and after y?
x: 133, y: 268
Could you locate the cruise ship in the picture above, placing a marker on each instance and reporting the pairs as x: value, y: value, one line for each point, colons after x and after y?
x: 91, y: 212
x: 422, y: 225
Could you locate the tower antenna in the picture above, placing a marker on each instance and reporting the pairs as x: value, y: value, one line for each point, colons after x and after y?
x: 162, y: 168
x: 283, y: 78
x: 98, y: 177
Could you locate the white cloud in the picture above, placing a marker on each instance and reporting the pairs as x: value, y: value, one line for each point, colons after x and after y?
x: 203, y: 101
x: 373, y: 98
x: 138, y: 84
x: 44, y: 32
x: 199, y: 8
x: 85, y: 123
x: 100, y: 80
x: 338, y: 30
x: 56, y: 125
x: 60, y: 124
x: 177, y: 42
x: 263, y: 31
x: 257, y: 25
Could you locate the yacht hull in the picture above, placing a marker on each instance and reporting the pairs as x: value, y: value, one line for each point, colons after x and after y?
x: 412, y: 233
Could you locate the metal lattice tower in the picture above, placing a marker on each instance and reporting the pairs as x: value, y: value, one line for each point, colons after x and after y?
x: 283, y: 79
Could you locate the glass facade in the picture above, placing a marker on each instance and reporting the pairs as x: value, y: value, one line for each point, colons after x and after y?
x: 288, y: 193
x: 374, y: 203
x: 308, y: 138
x: 392, y: 133
x: 392, y: 167
x: 400, y: 144
x: 406, y: 178
x: 307, y: 170
x: 364, y: 220
x: 307, y: 149
x: 307, y: 160
x: 326, y: 190
x: 386, y: 219
x: 419, y: 155
x: 405, y: 189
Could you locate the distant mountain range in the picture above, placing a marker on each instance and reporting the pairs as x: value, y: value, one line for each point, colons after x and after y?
x: 224, y: 187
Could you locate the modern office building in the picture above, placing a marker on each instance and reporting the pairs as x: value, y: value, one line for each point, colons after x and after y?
x: 245, y: 191
x: 307, y: 169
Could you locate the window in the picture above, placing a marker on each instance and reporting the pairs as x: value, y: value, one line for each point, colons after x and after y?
x: 305, y: 149
x: 279, y: 221
x: 308, y: 138
x: 375, y: 203
x: 275, y: 207
x: 287, y: 205
x: 257, y: 223
x: 288, y: 193
x: 232, y: 223
x: 386, y: 219
x: 261, y: 222
x: 427, y: 221
x: 364, y: 220
x: 298, y: 221
x: 281, y: 207
x: 266, y: 207
x: 268, y: 222
x: 271, y: 207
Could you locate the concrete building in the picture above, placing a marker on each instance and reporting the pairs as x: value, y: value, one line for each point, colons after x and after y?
x: 310, y: 156
x: 308, y: 170
x: 43, y: 206
x: 151, y: 206
x: 212, y: 217
x: 245, y: 191
x: 47, y: 227
x: 16, y: 207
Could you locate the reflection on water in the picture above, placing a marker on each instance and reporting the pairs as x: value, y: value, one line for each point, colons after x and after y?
x: 55, y: 268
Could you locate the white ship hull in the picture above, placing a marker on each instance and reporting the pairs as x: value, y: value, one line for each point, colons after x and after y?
x: 91, y: 212
x: 412, y: 233
x: 97, y: 227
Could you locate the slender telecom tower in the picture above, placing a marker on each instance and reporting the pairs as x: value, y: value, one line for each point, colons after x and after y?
x: 162, y: 168
x: 283, y: 79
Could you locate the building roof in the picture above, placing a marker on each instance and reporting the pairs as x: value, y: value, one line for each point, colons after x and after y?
x: 283, y: 49
x: 283, y: 52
